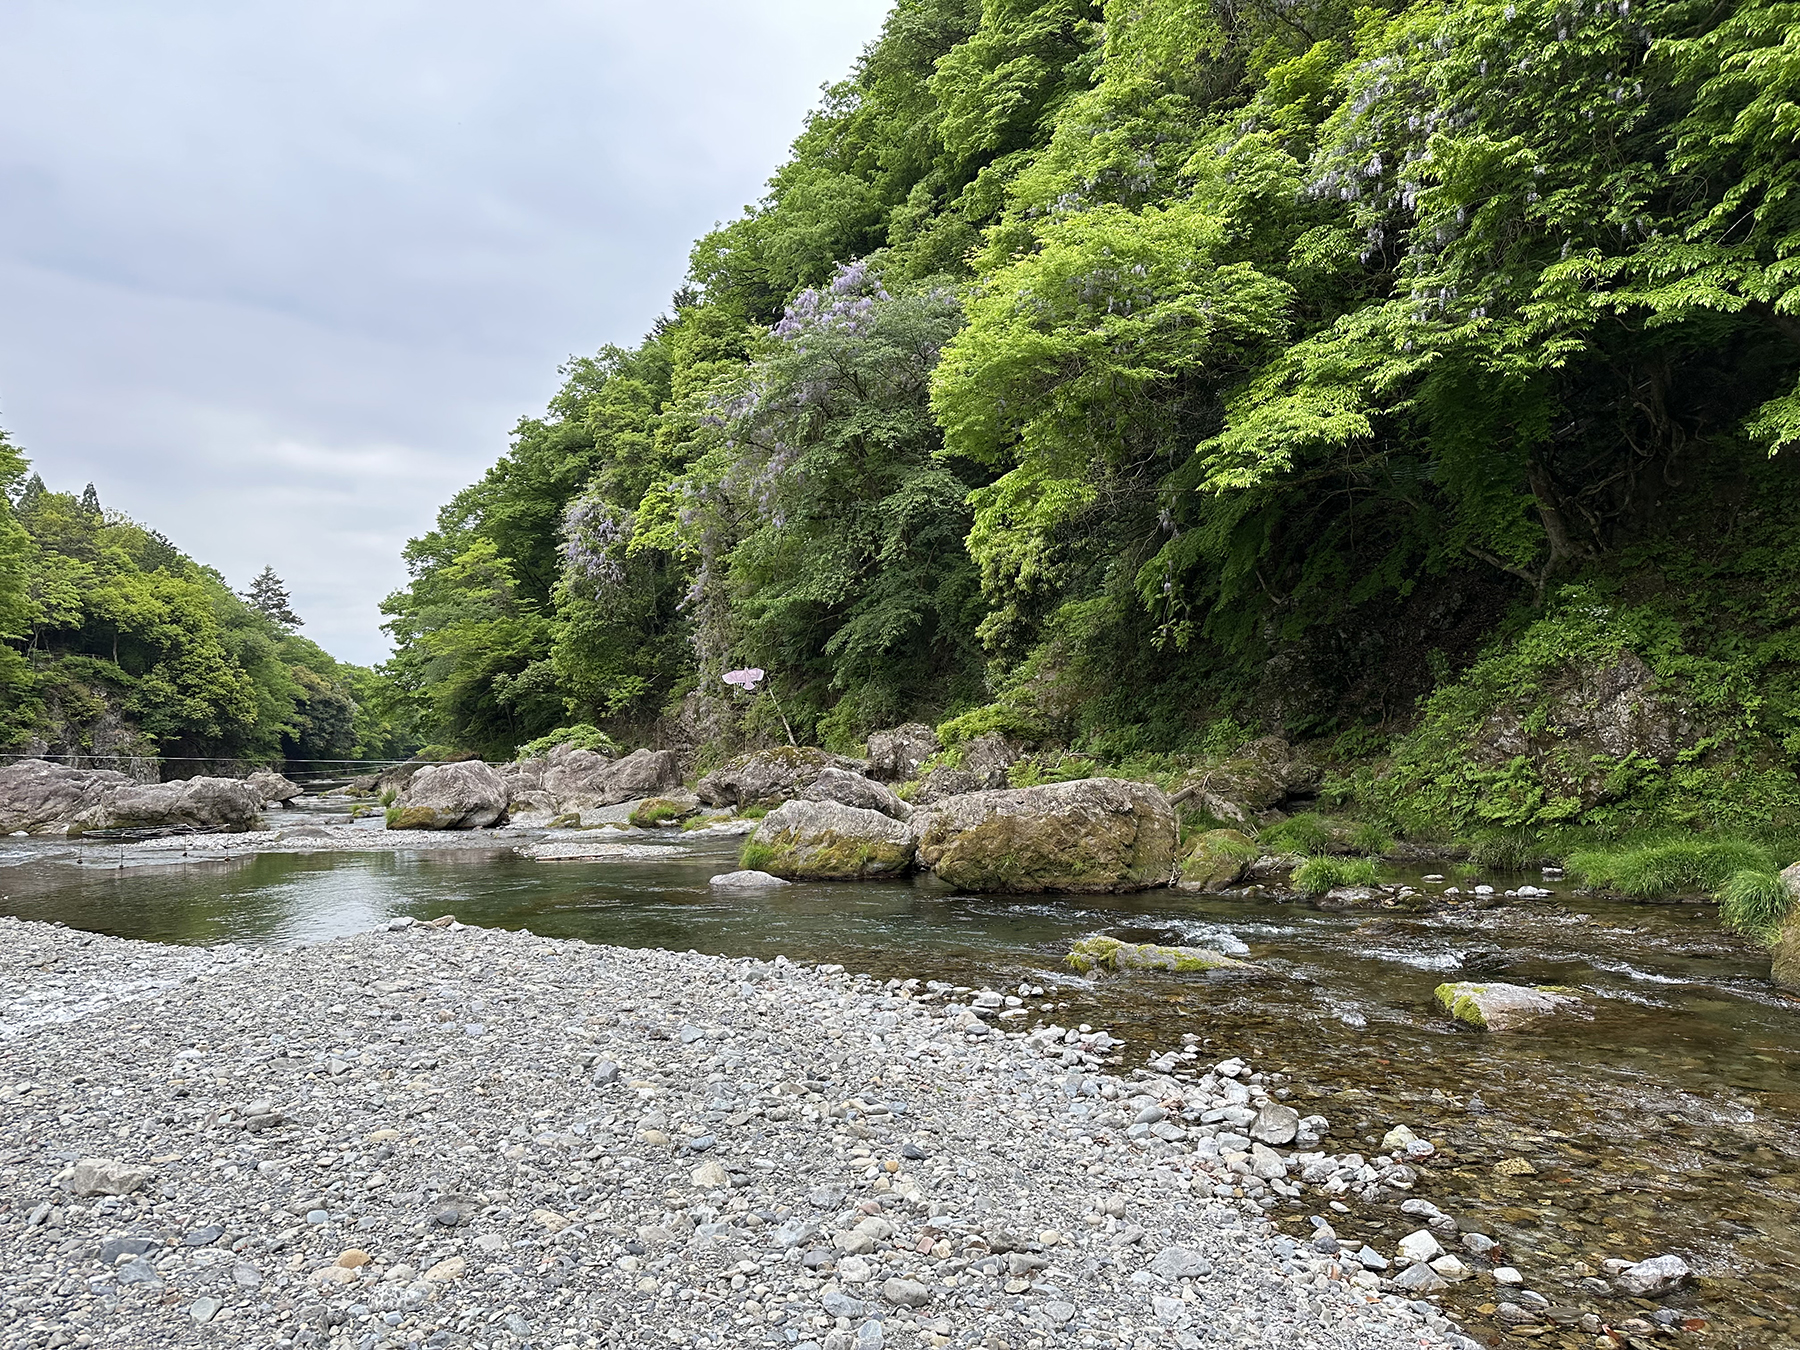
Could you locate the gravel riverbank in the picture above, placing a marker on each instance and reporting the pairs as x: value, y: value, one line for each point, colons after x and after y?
x: 451, y: 1136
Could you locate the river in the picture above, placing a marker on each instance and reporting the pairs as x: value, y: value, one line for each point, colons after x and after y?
x: 1667, y: 1121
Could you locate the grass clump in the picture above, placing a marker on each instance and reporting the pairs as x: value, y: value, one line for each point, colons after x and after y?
x: 1662, y: 868
x: 756, y: 857
x: 1323, y: 872
x: 661, y: 811
x: 1754, y: 903
x: 1369, y: 838
x: 1516, y: 850
x: 1304, y: 833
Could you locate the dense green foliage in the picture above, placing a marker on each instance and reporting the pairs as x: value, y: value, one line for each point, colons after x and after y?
x: 1104, y: 374
x: 116, y: 643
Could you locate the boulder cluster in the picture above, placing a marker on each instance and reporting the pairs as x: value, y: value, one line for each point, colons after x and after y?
x: 39, y: 797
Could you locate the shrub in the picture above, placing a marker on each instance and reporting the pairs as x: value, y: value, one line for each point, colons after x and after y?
x: 1013, y: 722
x: 1322, y: 872
x: 1657, y: 870
x: 1754, y: 902
x: 583, y: 736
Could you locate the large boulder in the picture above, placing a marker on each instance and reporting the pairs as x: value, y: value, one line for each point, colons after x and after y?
x: 273, y: 787
x: 585, y: 780
x: 1217, y: 859
x: 770, y: 776
x: 895, y: 756
x: 981, y: 764
x: 39, y: 797
x: 465, y: 795
x: 1090, y: 836
x: 204, y: 803
x: 1504, y: 1007
x: 828, y: 841
x: 852, y: 789
x: 44, y: 798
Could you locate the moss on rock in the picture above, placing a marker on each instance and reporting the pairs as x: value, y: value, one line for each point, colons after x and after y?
x: 1503, y: 1007
x: 1217, y: 859
x: 1091, y: 836
x: 663, y: 811
x: 828, y: 841
x: 1107, y: 953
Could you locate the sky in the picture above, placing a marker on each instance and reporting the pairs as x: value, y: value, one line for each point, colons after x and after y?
x: 279, y: 277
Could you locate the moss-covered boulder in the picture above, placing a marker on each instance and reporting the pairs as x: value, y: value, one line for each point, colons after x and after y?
x: 467, y: 795
x: 1217, y: 859
x: 654, y: 811
x: 1106, y: 953
x: 828, y: 841
x: 1504, y: 1007
x: 1090, y: 836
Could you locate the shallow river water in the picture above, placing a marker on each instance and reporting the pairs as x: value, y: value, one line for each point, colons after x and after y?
x: 1667, y: 1121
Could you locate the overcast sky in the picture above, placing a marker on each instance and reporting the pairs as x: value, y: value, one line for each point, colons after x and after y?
x: 279, y: 276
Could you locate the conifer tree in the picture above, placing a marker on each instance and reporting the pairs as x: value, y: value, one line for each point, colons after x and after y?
x: 269, y: 595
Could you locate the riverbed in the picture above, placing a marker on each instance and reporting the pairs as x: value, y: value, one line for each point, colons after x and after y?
x: 1666, y: 1121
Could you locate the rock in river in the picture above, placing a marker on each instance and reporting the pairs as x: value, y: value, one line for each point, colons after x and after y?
x: 828, y: 841
x: 228, y: 803
x: 1653, y: 1278
x: 731, y: 881
x: 43, y: 798
x: 1093, y: 835
x: 466, y: 795
x: 1503, y: 1007
x: 585, y: 780
x: 1106, y: 953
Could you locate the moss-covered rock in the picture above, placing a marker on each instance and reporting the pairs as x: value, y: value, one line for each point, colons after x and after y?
x: 1217, y: 859
x: 1784, y: 954
x: 466, y: 795
x: 1504, y: 1007
x: 1090, y: 836
x: 828, y: 841
x: 1106, y: 953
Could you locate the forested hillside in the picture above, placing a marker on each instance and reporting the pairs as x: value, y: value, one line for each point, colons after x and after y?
x: 1417, y: 382
x: 118, y: 644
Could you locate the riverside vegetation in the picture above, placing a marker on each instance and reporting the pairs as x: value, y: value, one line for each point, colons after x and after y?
x: 1130, y: 380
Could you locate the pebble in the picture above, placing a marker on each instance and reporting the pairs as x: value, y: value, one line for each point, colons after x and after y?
x: 543, y: 1175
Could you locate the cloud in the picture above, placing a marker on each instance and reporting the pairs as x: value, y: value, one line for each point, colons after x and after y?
x: 280, y: 277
